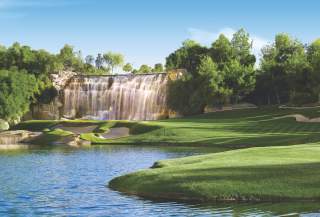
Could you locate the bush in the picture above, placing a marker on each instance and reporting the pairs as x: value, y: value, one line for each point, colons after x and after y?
x: 303, y: 98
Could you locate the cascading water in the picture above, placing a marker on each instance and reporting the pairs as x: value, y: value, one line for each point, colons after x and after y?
x: 119, y: 97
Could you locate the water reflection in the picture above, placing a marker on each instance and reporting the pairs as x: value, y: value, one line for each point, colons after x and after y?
x: 72, y: 182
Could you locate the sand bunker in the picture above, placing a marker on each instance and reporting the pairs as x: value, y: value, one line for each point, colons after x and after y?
x: 301, y: 118
x: 116, y: 132
x: 77, y: 128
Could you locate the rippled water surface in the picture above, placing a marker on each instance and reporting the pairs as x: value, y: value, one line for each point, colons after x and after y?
x: 72, y: 182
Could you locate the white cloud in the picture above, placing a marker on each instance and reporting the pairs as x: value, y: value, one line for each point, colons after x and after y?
x: 206, y: 38
x: 14, y: 9
x: 16, y: 4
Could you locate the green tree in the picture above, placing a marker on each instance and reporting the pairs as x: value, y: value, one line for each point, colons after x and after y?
x: 187, y: 57
x: 239, y: 80
x: 313, y: 56
x: 99, y: 61
x: 221, y: 51
x: 158, y: 67
x: 145, y: 69
x: 113, y: 60
x: 242, y: 46
x: 127, y: 67
x: 89, y: 59
x: 284, y: 64
x: 17, y: 89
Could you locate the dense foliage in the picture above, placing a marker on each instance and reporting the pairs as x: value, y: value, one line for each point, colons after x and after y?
x: 288, y: 73
x: 217, y: 75
x: 224, y: 73
x: 17, y: 88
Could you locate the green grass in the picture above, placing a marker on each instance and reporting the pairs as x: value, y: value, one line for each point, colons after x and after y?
x: 254, y: 174
x: 50, y: 137
x: 231, y: 129
x: 261, y: 156
x: 268, y: 159
x: 35, y: 125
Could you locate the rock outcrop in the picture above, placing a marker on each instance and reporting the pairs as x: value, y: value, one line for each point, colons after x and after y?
x: 16, y: 137
x: 61, y: 79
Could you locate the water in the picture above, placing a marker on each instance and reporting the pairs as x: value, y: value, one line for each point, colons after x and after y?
x: 72, y: 182
x: 122, y: 97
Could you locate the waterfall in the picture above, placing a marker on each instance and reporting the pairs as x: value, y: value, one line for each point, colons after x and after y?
x: 118, y: 97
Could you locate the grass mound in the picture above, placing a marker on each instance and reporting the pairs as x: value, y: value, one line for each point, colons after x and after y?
x: 49, y: 137
x: 255, y: 174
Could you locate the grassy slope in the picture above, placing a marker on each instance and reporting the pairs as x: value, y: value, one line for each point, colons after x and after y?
x: 232, y: 129
x: 268, y: 173
x: 285, y: 169
x: 49, y: 137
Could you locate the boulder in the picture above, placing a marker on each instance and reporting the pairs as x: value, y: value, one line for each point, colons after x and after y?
x: 60, y: 79
x: 174, y: 114
x: 16, y: 136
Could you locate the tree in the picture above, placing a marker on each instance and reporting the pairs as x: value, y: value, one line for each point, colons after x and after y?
x: 187, y: 57
x: 221, y: 51
x: 241, y: 46
x: 99, y: 61
x: 144, y: 69
x: 127, y: 67
x: 89, y: 59
x: 239, y: 80
x: 17, y: 89
x: 135, y: 71
x: 211, y: 80
x: 313, y: 56
x: 113, y: 60
x: 158, y: 67
x: 67, y: 56
x: 284, y: 64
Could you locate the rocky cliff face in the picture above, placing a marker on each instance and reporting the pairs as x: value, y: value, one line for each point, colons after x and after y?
x: 16, y: 137
x: 51, y: 111
x: 61, y: 79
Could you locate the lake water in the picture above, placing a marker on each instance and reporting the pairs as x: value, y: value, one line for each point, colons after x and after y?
x: 72, y: 182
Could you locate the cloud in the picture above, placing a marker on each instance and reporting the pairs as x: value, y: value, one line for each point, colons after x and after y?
x: 16, y: 4
x: 14, y: 9
x: 206, y: 38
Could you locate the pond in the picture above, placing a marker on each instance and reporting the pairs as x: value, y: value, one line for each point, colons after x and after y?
x: 73, y: 182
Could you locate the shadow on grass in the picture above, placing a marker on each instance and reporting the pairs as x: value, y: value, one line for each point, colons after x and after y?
x: 288, y: 182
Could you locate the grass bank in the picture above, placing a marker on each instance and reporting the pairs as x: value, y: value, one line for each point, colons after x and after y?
x: 254, y: 174
x: 224, y: 130
x: 262, y: 156
x: 269, y: 158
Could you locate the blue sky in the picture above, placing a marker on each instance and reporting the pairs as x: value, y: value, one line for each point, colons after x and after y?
x: 146, y: 31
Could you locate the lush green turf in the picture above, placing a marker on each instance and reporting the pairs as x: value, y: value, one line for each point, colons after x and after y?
x: 282, y: 165
x: 231, y: 129
x: 265, y: 173
x: 278, y: 157
x: 49, y: 137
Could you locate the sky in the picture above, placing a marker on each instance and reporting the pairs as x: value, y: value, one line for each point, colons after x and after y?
x: 146, y: 31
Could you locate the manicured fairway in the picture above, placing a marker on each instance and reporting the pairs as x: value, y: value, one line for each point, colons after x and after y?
x: 285, y: 168
x: 226, y: 130
x: 255, y: 174
x: 231, y: 129
x: 262, y: 156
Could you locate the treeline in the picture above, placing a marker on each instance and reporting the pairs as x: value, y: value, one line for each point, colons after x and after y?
x: 25, y: 74
x: 288, y: 73
x: 224, y: 73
